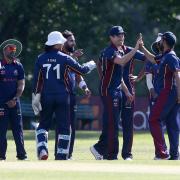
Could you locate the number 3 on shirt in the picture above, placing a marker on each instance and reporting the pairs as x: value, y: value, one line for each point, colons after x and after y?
x: 55, y: 68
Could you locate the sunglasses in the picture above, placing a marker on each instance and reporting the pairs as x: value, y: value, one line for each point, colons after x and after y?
x: 11, y: 48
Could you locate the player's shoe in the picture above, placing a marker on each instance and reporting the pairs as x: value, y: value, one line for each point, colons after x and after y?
x: 96, y: 153
x: 128, y: 159
x: 22, y: 158
x: 43, y: 155
x: 160, y: 158
x: 2, y: 159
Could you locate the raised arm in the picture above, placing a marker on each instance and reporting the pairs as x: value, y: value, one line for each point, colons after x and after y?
x: 148, y: 55
x: 122, y: 60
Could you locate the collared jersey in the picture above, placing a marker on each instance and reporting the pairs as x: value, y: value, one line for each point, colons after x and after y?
x: 111, y: 72
x: 51, y: 72
x: 10, y: 74
x: 169, y: 63
x: 129, y: 67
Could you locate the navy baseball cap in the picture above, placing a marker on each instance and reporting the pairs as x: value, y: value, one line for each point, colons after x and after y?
x: 170, y: 38
x: 116, y: 30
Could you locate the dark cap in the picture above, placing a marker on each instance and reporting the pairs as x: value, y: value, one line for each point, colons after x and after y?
x: 116, y: 30
x: 170, y: 38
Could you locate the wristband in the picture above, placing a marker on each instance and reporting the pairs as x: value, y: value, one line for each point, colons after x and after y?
x: 82, y: 83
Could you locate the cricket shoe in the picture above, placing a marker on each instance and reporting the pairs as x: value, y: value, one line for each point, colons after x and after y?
x: 96, y: 153
x: 43, y: 155
x: 160, y: 158
x: 128, y: 159
x: 2, y: 159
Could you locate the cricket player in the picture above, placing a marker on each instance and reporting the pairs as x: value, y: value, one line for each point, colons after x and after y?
x: 151, y: 71
x: 51, y: 94
x: 167, y: 104
x: 74, y: 81
x: 128, y: 106
x: 111, y: 62
x: 12, y: 83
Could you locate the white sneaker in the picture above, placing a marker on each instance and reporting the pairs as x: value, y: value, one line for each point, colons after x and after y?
x: 95, y: 153
x: 2, y: 160
x: 128, y: 159
x: 43, y: 155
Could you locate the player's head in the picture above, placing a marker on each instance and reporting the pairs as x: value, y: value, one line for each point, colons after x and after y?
x: 168, y: 40
x: 155, y: 47
x: 116, y: 34
x: 55, y: 40
x: 70, y: 44
x: 10, y: 49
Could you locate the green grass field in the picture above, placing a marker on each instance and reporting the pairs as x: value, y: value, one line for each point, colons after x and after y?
x: 84, y: 166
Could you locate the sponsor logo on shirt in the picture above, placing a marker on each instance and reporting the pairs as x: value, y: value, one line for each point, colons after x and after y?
x: 2, y: 72
x: 1, y: 111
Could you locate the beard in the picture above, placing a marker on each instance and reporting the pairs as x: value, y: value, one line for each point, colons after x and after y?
x: 11, y: 55
x: 69, y: 49
x: 161, y: 47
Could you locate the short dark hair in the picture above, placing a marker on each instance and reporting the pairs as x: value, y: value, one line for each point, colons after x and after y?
x: 67, y: 33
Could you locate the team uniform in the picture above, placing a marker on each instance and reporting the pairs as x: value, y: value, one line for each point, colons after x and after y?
x: 111, y: 96
x: 166, y: 108
x: 128, y: 109
x: 72, y: 84
x: 10, y: 74
x: 72, y: 96
x: 51, y: 81
x: 151, y: 68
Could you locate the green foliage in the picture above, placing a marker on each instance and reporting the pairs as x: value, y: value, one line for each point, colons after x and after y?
x: 30, y: 22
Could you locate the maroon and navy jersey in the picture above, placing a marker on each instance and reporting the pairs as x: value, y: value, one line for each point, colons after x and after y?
x: 169, y: 63
x: 153, y: 69
x: 10, y: 74
x: 129, y: 67
x: 51, y: 73
x: 111, y: 73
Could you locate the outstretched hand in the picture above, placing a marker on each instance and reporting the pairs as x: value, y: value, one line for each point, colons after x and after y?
x: 78, y: 53
x: 139, y: 42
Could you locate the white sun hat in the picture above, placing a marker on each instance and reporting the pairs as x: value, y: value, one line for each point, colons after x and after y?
x: 55, y: 37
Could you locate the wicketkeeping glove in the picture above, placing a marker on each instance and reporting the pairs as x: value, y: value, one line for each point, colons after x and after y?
x: 91, y: 65
x: 36, y: 105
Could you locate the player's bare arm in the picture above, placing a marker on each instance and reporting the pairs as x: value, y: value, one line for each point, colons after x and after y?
x: 147, y: 54
x: 129, y: 96
x: 177, y: 78
x: 20, y: 88
x: 126, y: 58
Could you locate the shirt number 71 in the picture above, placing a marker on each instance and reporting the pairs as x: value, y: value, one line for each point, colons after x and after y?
x: 55, y: 68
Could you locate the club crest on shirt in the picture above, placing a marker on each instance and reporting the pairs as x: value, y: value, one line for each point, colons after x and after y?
x: 15, y: 72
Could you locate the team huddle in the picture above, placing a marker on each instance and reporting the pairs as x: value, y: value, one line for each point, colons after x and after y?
x: 56, y: 75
